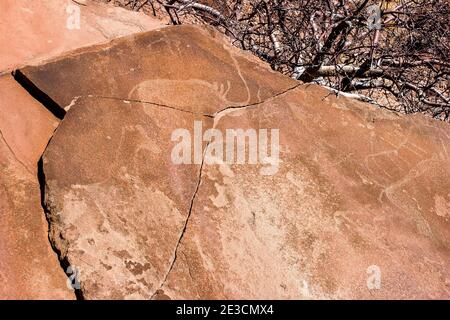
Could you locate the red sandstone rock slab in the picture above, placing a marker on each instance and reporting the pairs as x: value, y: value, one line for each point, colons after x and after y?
x: 369, y: 189
x: 117, y: 202
x: 26, y: 125
x: 29, y: 269
x: 188, y: 67
x: 357, y: 190
x: 31, y: 31
x: 240, y: 75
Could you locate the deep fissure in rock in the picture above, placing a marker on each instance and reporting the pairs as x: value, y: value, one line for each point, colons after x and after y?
x: 39, y: 95
x: 63, y: 260
x: 183, y: 231
x: 60, y: 113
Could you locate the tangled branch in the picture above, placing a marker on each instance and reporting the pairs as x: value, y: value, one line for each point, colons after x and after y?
x: 401, y: 63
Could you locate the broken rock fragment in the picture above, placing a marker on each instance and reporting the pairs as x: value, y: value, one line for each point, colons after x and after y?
x: 29, y: 269
x: 117, y: 203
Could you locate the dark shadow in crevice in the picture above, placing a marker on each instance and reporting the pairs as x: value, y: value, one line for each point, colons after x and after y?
x: 63, y: 261
x: 39, y: 95
x: 59, y: 113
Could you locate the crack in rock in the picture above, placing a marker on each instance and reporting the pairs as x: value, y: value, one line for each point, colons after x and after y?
x: 215, y: 116
x: 62, y: 257
x: 183, y: 231
x: 39, y: 95
x: 60, y: 113
x: 13, y: 153
x: 154, y: 104
x: 259, y: 102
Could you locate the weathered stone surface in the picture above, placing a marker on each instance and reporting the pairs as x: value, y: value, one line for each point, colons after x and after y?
x: 31, y: 31
x: 195, y: 84
x: 118, y: 203
x: 29, y: 269
x: 357, y: 188
x: 189, y: 67
x: 25, y: 124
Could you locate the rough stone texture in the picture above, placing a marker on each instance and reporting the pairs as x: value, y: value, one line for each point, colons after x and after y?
x: 25, y: 124
x: 187, y: 93
x: 118, y: 203
x: 357, y: 186
x: 32, y: 31
x: 29, y: 269
x: 191, y: 68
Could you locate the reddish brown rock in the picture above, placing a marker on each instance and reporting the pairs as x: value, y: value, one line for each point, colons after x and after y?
x: 29, y: 269
x: 358, y: 189
x: 190, y: 68
x: 118, y: 203
x: 32, y: 31
x: 359, y: 192
x: 25, y: 124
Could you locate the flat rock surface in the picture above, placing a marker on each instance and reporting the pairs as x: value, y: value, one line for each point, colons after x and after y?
x: 25, y: 124
x: 117, y: 202
x: 32, y: 31
x: 357, y: 188
x: 358, y: 191
x: 185, y: 67
x: 29, y: 269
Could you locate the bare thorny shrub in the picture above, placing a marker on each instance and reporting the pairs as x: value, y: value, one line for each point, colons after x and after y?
x: 391, y: 53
